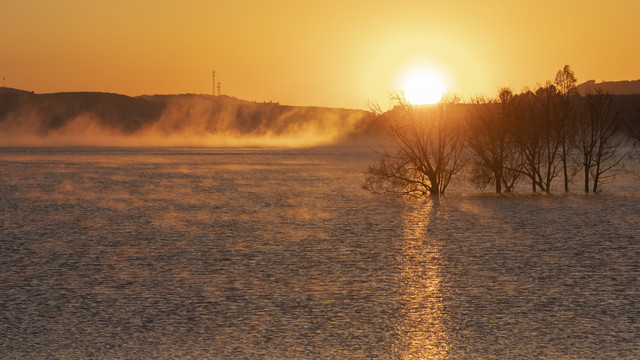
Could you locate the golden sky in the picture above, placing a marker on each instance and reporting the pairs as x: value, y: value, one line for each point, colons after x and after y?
x: 327, y: 53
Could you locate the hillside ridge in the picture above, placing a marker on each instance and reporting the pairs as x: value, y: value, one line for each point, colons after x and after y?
x: 624, y: 87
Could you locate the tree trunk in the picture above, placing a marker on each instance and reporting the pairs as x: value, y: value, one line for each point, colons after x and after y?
x: 435, y: 188
x: 596, y: 177
x: 564, y: 167
x: 586, y: 178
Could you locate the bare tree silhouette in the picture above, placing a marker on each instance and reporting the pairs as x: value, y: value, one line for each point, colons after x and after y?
x: 597, y: 138
x: 538, y: 137
x: 543, y: 135
x: 565, y: 83
x: 496, y: 158
x: 427, y: 144
x: 632, y: 124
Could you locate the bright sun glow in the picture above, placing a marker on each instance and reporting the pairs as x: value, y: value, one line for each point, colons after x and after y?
x: 423, y: 87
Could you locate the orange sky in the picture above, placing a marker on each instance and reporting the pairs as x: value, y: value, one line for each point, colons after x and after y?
x: 328, y: 53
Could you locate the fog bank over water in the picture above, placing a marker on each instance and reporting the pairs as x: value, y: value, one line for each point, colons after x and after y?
x: 104, y: 119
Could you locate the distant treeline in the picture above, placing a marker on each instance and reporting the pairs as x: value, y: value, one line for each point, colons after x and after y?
x: 535, y: 137
x: 188, y: 116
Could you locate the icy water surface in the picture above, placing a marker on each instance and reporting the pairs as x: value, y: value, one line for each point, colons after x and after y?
x: 278, y: 254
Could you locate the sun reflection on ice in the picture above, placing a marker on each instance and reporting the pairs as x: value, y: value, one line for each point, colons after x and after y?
x: 422, y: 332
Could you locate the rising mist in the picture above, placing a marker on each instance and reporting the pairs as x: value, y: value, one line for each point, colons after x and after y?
x: 104, y: 119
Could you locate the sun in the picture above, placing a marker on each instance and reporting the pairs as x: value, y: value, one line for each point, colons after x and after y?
x: 423, y: 87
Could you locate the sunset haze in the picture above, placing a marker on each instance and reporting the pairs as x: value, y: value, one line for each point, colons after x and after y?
x: 331, y: 53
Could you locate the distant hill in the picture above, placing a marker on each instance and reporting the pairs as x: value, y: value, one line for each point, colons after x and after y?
x: 48, y: 112
x: 80, y: 117
x: 612, y: 87
x: 6, y: 90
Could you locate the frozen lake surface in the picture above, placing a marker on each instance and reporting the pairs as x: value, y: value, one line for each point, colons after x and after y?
x: 278, y: 254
